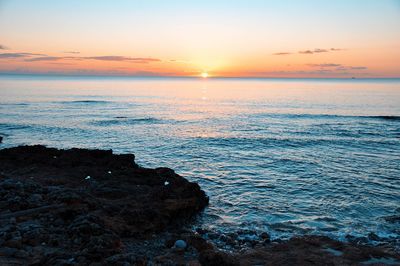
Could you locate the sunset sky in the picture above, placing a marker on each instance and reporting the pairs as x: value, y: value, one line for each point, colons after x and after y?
x: 240, y: 38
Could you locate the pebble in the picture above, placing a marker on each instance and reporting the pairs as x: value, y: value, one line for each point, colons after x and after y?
x: 180, y: 244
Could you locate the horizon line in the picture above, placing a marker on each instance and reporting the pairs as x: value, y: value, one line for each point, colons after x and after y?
x: 190, y: 77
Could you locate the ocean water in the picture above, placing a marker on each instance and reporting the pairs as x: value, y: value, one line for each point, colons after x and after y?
x: 283, y: 156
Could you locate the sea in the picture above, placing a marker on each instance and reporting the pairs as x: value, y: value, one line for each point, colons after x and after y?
x: 283, y: 156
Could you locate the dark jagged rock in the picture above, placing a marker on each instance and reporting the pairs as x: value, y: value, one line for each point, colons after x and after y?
x: 305, y: 250
x: 78, y: 206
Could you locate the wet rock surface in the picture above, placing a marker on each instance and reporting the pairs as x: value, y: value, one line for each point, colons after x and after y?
x: 91, y: 207
x: 305, y: 250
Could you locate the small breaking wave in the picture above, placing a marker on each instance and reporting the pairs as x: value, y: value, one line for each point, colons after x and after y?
x: 385, y: 117
x: 15, y: 104
x: 12, y: 126
x: 122, y: 120
x: 85, y: 102
x: 328, y: 116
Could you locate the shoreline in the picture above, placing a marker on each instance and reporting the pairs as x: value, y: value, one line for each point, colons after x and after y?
x: 78, y: 206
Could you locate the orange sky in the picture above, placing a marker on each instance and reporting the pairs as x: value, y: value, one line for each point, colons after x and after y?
x: 288, y: 38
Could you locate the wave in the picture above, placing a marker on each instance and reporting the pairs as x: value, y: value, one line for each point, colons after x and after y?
x: 122, y: 120
x: 85, y: 102
x: 329, y: 116
x: 12, y: 126
x: 14, y: 104
x: 257, y: 143
x: 385, y: 117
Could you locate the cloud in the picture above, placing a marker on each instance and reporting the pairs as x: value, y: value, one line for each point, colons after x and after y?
x: 142, y: 60
x: 358, y: 67
x: 282, y: 53
x: 17, y: 55
x: 324, y: 65
x: 86, y: 72
x: 32, y: 57
x: 316, y: 50
x: 2, y: 47
x: 320, y: 50
x: 44, y: 58
x: 337, y: 67
x: 60, y: 63
x: 314, y: 73
x: 306, y: 52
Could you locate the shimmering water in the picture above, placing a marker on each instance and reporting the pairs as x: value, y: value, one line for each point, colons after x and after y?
x: 283, y: 156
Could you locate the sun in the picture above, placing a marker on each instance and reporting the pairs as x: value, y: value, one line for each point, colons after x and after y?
x: 204, y: 75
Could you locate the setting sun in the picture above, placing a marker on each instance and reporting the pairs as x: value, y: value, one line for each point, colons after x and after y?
x: 204, y: 75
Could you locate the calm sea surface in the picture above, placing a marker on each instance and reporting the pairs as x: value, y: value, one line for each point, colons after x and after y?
x: 282, y: 156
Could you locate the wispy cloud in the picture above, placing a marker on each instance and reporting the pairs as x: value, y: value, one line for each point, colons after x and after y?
x: 320, y: 50
x: 86, y: 72
x: 317, y: 73
x: 44, y: 58
x: 336, y: 49
x: 117, y: 58
x: 142, y: 60
x: 358, y: 67
x: 2, y: 47
x: 306, y: 52
x: 315, y: 51
x: 18, y: 55
x: 71, y: 52
x: 282, y: 53
x: 336, y: 67
x: 324, y: 65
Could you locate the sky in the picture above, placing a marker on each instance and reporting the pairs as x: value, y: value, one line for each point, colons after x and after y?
x: 229, y: 38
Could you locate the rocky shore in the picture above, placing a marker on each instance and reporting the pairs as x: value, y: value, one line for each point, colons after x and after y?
x: 93, y: 207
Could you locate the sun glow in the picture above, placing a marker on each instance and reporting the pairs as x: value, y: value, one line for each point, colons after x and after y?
x: 204, y: 75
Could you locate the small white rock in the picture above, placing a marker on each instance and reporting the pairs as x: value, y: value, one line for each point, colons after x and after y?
x: 88, y: 177
x: 166, y: 183
x: 180, y: 244
x: 109, y: 172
